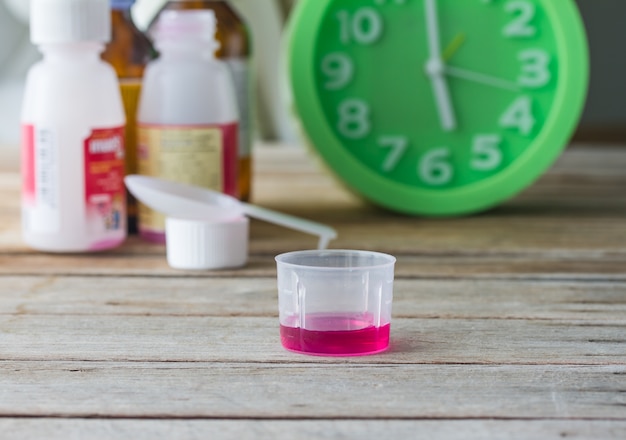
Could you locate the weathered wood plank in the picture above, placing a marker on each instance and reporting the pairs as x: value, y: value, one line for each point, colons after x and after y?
x: 583, y: 180
x: 578, y: 207
x: 201, y: 390
x: 579, y: 159
x: 257, y: 297
x: 62, y: 429
x: 574, y: 234
x: 465, y: 345
x: 248, y: 339
x: 595, y: 266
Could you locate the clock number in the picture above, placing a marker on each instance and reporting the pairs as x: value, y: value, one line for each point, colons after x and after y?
x: 354, y: 119
x: 397, y: 146
x: 435, y: 168
x: 519, y: 116
x: 339, y: 69
x: 535, y: 69
x: 365, y: 26
x: 487, y: 153
x: 521, y: 26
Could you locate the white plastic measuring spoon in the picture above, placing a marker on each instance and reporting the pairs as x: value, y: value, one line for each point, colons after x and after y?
x: 193, y: 203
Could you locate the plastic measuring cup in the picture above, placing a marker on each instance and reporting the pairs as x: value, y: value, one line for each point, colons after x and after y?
x: 335, y: 302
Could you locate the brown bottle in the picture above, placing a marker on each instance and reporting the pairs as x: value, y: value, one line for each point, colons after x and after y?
x: 235, y: 50
x: 128, y: 52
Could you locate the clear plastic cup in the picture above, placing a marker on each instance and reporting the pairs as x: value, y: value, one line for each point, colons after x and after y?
x: 335, y: 302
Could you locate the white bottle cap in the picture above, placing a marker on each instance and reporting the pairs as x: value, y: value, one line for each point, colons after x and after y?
x: 209, y: 230
x: 69, y: 21
x: 200, y: 245
x: 189, y: 25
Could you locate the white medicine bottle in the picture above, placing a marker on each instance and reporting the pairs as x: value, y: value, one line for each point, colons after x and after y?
x: 188, y: 119
x: 73, y: 195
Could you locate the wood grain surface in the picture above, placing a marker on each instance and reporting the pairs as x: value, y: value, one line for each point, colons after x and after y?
x: 510, y: 324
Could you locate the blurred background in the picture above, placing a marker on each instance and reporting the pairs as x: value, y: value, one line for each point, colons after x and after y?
x: 604, y: 119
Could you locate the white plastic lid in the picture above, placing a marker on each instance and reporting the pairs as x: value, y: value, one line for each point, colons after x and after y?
x: 182, y: 26
x: 200, y: 245
x: 209, y: 230
x: 69, y: 21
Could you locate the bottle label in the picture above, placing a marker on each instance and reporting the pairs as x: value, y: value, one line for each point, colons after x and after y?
x: 40, y: 180
x: 103, y: 178
x: 204, y: 156
x: 105, y: 195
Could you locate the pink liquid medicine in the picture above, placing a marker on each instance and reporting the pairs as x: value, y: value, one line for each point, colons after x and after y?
x: 333, y: 336
x: 335, y: 302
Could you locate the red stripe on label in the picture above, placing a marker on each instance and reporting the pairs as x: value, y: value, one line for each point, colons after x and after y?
x: 28, y: 162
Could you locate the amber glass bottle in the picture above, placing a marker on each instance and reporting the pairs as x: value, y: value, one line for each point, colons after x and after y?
x: 128, y: 52
x: 235, y: 50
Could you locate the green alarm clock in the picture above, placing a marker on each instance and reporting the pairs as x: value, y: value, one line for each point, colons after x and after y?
x: 438, y: 107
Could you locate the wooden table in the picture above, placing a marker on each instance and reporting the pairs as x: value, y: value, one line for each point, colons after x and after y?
x: 506, y: 325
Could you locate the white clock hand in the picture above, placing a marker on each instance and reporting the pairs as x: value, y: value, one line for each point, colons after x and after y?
x: 435, y: 68
x: 481, y: 78
x: 432, y: 27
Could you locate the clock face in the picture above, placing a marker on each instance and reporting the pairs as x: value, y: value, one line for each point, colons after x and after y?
x: 438, y: 107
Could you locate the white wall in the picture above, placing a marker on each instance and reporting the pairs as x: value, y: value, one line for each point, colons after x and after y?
x: 263, y: 16
x: 606, y: 105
